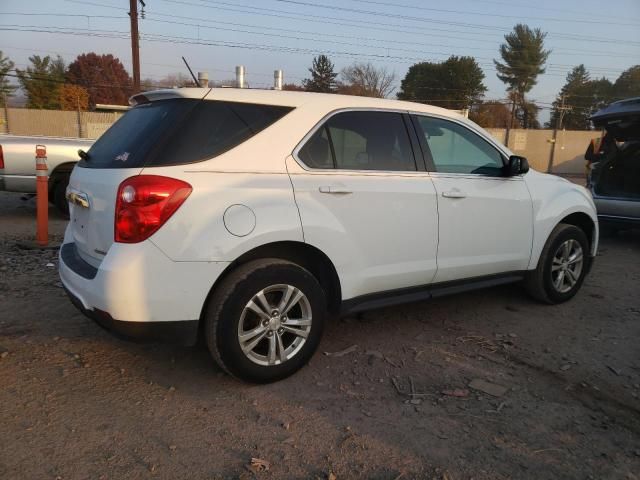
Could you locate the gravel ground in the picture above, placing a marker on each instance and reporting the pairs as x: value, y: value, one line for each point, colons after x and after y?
x: 483, y: 385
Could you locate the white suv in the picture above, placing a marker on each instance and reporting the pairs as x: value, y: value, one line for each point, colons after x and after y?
x: 248, y: 217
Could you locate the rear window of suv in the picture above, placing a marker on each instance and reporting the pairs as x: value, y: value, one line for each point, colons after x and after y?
x: 179, y: 131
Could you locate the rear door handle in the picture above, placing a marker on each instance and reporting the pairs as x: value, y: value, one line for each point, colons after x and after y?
x: 334, y: 189
x: 455, y: 193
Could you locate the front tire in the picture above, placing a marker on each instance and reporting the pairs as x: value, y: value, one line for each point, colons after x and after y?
x: 562, y: 266
x: 265, y: 320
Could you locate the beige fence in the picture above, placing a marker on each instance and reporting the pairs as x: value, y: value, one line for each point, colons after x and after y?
x: 537, y: 145
x: 56, y: 123
x: 567, y: 157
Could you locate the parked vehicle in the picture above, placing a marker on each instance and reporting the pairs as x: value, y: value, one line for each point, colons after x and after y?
x: 615, y: 172
x: 18, y: 167
x: 250, y: 216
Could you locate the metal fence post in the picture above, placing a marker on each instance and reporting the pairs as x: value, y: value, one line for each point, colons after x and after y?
x: 553, y: 150
x: 79, y: 123
x: 6, y: 115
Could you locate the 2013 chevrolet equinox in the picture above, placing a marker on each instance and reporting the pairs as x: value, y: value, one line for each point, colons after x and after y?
x: 249, y: 216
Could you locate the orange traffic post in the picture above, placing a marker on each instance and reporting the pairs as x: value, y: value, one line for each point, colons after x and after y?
x: 42, y: 196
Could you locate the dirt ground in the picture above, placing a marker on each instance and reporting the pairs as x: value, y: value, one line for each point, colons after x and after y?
x: 395, y: 402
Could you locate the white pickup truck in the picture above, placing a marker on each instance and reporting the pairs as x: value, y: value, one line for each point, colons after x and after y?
x: 18, y: 166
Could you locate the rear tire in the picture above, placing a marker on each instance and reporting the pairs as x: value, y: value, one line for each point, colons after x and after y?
x: 562, y: 266
x: 255, y: 328
x: 60, y: 195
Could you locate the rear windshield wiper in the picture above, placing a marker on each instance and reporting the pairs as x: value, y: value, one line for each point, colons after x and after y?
x: 83, y: 155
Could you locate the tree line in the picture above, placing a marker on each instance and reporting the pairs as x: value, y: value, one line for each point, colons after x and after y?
x: 455, y: 83
x: 49, y: 83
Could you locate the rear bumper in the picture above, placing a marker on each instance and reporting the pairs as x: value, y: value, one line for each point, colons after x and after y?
x: 181, y: 332
x: 138, y: 292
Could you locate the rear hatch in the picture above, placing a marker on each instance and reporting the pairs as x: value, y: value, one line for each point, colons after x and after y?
x: 617, y: 173
x: 177, y: 127
x: 620, y: 119
x: 120, y: 153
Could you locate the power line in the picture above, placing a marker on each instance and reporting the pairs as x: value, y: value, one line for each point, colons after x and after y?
x: 408, y: 17
x: 400, y: 42
x: 550, y: 65
x: 498, y: 15
x: 323, y: 18
x: 356, y: 56
x: 553, y: 68
x: 340, y: 21
x: 324, y: 35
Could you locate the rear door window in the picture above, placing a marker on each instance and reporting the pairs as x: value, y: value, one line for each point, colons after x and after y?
x: 179, y: 131
x: 361, y: 140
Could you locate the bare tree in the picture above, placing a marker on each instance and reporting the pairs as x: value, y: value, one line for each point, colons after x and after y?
x: 366, y: 80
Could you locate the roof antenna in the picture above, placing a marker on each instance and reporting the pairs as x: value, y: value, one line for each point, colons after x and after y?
x: 191, y: 72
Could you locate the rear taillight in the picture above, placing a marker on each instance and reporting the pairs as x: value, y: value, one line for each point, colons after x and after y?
x: 145, y: 203
x: 1, y: 158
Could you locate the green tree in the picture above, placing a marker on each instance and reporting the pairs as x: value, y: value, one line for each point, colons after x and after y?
x: 523, y: 59
x: 456, y: 83
x: 41, y: 81
x: 582, y: 97
x: 628, y: 83
x: 323, y: 76
x: 527, y: 115
x: 574, y: 95
x: 6, y: 88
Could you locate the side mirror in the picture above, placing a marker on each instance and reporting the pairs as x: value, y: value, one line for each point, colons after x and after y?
x: 517, y: 166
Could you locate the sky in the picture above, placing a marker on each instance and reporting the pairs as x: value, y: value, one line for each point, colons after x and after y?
x: 265, y: 35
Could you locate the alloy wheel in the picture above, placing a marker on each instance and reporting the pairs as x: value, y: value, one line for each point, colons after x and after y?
x: 274, y: 325
x: 567, y: 265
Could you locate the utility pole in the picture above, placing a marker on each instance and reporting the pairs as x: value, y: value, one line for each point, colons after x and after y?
x: 135, y: 42
x: 562, y: 109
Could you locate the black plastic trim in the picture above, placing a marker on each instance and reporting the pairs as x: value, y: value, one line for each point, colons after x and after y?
x: 425, y: 292
x: 176, y: 332
x: 76, y: 263
x: 611, y: 219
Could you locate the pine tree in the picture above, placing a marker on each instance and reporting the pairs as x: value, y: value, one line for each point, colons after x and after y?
x: 524, y: 57
x: 323, y: 76
x: 628, y: 83
x: 573, y: 95
x: 42, y: 81
x: 583, y: 97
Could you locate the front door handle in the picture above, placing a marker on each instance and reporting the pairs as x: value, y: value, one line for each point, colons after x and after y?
x: 335, y: 189
x: 455, y: 193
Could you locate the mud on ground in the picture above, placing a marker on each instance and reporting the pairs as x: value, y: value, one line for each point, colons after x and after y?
x: 554, y: 389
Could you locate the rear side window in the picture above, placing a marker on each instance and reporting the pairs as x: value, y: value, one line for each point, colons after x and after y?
x: 361, y: 141
x: 179, y: 131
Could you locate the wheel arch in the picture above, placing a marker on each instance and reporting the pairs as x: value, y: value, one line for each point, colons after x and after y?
x: 578, y: 217
x: 59, y: 172
x: 300, y: 253
x: 585, y: 223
